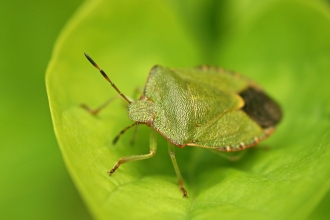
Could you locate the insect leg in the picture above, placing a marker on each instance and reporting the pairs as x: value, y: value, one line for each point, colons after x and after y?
x: 176, y: 168
x: 153, y: 148
x: 103, y: 106
x: 123, y: 131
x: 97, y: 110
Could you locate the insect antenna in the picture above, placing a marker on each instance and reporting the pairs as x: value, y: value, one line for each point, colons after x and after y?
x: 123, y: 131
x: 106, y: 77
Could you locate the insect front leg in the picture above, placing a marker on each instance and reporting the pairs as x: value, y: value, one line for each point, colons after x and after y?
x: 153, y: 148
x: 105, y: 104
x: 176, y: 168
x: 97, y: 110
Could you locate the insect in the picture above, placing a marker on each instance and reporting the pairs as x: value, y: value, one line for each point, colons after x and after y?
x: 205, y: 107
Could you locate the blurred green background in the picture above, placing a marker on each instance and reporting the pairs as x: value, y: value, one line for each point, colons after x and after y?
x: 34, y: 183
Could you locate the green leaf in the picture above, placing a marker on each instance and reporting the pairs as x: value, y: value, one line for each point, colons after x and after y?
x: 282, y: 45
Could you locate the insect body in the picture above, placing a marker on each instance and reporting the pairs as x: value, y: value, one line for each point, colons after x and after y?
x: 204, y: 107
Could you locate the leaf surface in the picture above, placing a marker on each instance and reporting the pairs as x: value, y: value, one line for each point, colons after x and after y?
x: 282, y: 45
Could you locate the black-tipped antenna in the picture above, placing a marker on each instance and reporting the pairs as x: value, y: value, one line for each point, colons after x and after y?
x: 123, y: 131
x: 106, y: 77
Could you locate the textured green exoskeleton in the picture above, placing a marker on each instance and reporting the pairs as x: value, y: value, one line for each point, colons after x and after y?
x: 204, y: 107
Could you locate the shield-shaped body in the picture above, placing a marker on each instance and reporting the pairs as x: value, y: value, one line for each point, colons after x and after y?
x: 206, y: 107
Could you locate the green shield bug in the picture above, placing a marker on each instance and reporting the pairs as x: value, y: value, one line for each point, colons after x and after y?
x: 205, y: 107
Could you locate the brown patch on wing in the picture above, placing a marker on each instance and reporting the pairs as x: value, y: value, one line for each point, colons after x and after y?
x: 260, y: 107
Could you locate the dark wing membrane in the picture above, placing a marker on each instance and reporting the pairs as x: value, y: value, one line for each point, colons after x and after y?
x: 260, y: 107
